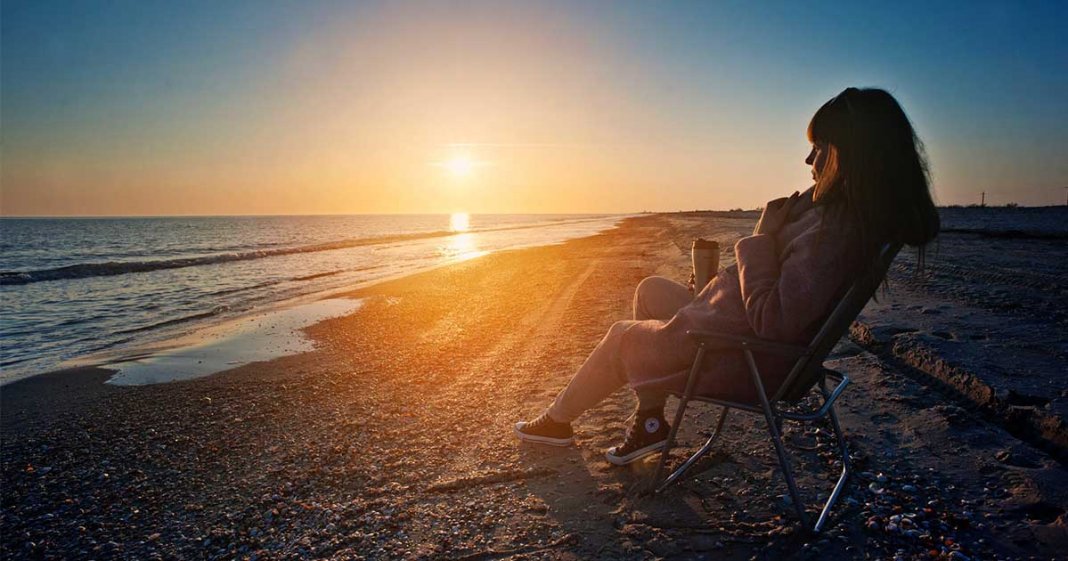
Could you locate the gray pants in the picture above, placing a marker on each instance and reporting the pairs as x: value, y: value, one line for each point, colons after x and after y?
x: 602, y: 373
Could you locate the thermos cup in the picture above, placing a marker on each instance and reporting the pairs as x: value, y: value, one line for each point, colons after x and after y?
x: 705, y: 254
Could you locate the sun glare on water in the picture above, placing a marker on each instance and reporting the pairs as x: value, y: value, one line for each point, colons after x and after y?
x: 462, y: 245
x: 459, y: 222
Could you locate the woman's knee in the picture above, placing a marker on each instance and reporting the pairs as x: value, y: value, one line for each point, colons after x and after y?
x: 649, y: 284
x: 647, y: 288
x: 617, y: 333
x: 618, y: 328
x: 658, y: 298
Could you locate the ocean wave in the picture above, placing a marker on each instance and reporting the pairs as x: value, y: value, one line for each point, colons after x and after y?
x: 112, y: 268
x: 227, y: 291
x: 191, y: 317
x: 318, y: 275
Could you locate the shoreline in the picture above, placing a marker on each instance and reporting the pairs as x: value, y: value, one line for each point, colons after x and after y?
x: 164, y: 342
x: 351, y: 450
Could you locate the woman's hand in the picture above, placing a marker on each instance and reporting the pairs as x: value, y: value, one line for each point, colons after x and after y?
x: 775, y: 214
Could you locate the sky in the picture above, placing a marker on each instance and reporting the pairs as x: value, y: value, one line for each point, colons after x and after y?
x: 225, y: 108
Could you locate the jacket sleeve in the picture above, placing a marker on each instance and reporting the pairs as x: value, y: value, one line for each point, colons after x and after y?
x: 784, y: 295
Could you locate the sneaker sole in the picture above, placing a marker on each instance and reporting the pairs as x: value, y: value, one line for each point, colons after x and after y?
x: 635, y: 455
x: 540, y: 439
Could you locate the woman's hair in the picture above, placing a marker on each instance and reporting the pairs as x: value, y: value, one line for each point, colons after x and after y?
x: 875, y: 170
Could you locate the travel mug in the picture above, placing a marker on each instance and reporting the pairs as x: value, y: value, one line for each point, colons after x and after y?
x: 705, y: 255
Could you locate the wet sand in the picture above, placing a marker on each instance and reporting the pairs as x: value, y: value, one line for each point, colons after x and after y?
x: 393, y: 440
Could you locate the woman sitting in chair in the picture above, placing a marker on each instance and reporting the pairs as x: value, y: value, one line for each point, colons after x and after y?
x: 871, y: 188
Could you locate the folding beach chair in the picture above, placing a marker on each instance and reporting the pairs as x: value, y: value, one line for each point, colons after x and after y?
x: 807, y: 372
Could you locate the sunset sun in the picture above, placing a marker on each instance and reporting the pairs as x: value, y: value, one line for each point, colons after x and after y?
x: 460, y: 166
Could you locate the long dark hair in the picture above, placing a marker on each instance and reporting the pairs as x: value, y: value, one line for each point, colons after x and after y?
x: 875, y: 172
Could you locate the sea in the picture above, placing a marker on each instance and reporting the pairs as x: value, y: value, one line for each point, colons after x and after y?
x: 71, y: 287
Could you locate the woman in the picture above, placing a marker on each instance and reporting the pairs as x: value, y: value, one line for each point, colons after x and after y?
x: 871, y: 187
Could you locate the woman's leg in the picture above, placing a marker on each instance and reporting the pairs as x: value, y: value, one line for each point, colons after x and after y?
x: 597, y: 378
x: 658, y: 298
x: 602, y: 373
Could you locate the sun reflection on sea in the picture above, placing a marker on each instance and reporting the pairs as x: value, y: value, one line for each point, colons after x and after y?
x: 460, y: 222
x: 462, y: 247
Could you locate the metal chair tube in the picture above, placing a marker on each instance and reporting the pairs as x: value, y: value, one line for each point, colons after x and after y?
x: 691, y: 381
x: 675, y: 475
x: 769, y: 416
x: 828, y: 403
x: 846, y: 467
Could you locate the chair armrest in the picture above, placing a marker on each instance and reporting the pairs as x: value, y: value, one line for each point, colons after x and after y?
x: 716, y: 340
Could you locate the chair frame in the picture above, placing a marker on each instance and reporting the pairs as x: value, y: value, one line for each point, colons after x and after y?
x: 807, y: 372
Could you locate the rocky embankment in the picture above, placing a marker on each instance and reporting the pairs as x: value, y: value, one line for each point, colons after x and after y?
x: 986, y: 319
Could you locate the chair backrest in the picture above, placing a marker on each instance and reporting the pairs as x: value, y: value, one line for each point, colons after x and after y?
x: 807, y: 370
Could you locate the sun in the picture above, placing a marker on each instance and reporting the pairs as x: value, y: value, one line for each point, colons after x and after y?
x: 460, y: 166
x: 459, y: 222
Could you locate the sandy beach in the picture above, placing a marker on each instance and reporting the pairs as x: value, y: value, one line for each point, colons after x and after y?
x: 393, y: 439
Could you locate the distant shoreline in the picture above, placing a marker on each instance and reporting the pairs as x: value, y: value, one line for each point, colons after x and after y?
x: 637, y: 212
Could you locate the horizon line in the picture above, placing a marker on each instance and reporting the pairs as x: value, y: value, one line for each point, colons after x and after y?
x: 105, y: 216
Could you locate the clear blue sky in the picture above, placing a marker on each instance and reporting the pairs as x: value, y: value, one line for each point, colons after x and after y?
x: 263, y: 107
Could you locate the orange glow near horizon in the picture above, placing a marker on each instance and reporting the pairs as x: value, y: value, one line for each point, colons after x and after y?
x: 424, y: 108
x: 343, y: 121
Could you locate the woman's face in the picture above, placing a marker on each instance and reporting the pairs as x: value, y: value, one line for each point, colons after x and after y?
x: 817, y: 158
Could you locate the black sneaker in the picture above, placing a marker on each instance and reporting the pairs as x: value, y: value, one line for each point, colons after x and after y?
x: 646, y: 435
x: 544, y: 430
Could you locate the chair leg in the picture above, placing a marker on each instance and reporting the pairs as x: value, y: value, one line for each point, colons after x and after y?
x: 691, y: 380
x: 840, y: 436
x: 667, y: 445
x: 776, y: 438
x: 697, y: 455
x: 843, y: 478
x: 787, y: 471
